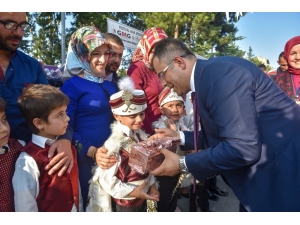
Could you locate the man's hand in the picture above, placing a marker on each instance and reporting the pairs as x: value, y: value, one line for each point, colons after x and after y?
x: 103, y: 160
x: 165, y: 132
x: 64, y: 158
x: 140, y: 193
x: 170, y: 166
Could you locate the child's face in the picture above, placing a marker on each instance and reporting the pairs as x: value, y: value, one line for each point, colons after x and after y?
x: 173, y: 110
x: 57, y: 123
x: 133, y: 122
x: 4, y: 129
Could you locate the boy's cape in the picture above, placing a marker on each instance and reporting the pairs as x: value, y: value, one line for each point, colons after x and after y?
x: 98, y: 199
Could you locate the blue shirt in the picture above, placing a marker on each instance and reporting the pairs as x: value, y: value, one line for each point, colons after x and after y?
x: 22, y: 71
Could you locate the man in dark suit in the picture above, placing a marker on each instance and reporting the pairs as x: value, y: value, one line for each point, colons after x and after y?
x: 249, y: 128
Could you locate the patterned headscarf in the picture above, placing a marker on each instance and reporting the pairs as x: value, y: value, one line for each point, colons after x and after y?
x: 82, y: 43
x: 150, y: 37
x: 287, y: 49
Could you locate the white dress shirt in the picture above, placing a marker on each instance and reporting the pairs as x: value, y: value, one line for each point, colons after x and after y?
x: 26, y: 181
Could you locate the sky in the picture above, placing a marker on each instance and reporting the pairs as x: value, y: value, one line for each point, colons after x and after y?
x: 267, y: 33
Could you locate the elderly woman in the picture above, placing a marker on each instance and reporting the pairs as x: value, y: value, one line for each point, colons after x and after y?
x: 289, y: 80
x: 89, y: 110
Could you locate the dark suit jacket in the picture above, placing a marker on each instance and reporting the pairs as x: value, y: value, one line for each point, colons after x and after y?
x: 250, y: 134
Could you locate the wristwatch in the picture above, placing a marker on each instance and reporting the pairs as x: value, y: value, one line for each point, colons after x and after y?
x: 183, y: 169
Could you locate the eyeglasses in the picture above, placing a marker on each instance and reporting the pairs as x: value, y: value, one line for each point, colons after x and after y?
x: 161, y: 75
x: 10, y: 25
x: 116, y: 55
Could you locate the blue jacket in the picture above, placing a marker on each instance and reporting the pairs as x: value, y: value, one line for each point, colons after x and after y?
x: 21, y: 71
x: 250, y: 134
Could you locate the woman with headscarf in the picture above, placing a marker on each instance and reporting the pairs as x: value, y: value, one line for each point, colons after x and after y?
x: 144, y: 78
x: 89, y: 110
x: 289, y: 80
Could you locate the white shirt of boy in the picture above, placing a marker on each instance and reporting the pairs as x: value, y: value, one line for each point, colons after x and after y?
x: 26, y: 181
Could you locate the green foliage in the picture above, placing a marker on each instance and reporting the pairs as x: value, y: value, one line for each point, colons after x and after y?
x: 46, y: 38
x: 205, y: 33
x: 252, y: 58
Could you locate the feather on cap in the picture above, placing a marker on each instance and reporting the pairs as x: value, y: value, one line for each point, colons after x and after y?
x: 128, y: 101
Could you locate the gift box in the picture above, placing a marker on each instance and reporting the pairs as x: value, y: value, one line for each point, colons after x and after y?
x: 145, y: 156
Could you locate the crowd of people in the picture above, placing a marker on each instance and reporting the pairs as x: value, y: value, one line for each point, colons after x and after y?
x: 67, y: 148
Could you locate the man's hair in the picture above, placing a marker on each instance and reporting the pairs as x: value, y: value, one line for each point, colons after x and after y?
x: 168, y: 48
x: 281, y: 55
x: 2, y: 105
x: 38, y: 101
x: 114, y: 38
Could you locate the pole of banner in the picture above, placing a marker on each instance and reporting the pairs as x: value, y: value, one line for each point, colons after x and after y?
x: 63, y: 39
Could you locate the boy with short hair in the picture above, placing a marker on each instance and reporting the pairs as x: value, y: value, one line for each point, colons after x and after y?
x: 44, y: 109
x: 9, y: 152
x: 128, y: 188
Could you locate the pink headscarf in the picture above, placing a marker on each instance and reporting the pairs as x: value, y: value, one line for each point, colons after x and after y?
x: 287, y: 50
x: 150, y: 37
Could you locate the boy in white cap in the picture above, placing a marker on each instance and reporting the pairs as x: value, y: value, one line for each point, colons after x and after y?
x: 172, y: 109
x: 127, y: 188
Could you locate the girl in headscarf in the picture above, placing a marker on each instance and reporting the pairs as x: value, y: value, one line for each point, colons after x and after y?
x: 289, y: 80
x: 89, y: 93
x: 144, y: 78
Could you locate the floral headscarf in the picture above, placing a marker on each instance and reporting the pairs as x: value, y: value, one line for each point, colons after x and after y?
x: 287, y: 49
x: 150, y: 37
x: 83, y: 42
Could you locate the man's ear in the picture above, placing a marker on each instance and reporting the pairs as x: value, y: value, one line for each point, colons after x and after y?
x: 38, y: 123
x: 178, y: 60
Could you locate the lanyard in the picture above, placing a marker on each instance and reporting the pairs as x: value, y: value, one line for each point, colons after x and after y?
x: 296, y: 91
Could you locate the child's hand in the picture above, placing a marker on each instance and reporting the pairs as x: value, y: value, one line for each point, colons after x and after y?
x: 140, y: 193
x: 170, y: 124
x: 154, y: 192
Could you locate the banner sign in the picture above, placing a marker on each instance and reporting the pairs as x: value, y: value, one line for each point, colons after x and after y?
x: 129, y: 35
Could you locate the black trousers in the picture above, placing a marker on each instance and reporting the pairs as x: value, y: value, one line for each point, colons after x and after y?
x: 199, y: 197
x: 166, y: 188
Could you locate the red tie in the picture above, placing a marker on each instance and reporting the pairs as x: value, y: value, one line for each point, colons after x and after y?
x: 196, y: 127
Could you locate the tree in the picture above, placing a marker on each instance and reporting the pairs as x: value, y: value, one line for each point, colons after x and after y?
x: 46, y: 41
x: 203, y: 33
x: 206, y: 33
x: 254, y: 59
x: 250, y: 54
x: 25, y: 44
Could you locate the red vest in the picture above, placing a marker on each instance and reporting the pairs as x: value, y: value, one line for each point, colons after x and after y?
x: 126, y: 174
x: 57, y: 194
x: 7, y: 169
